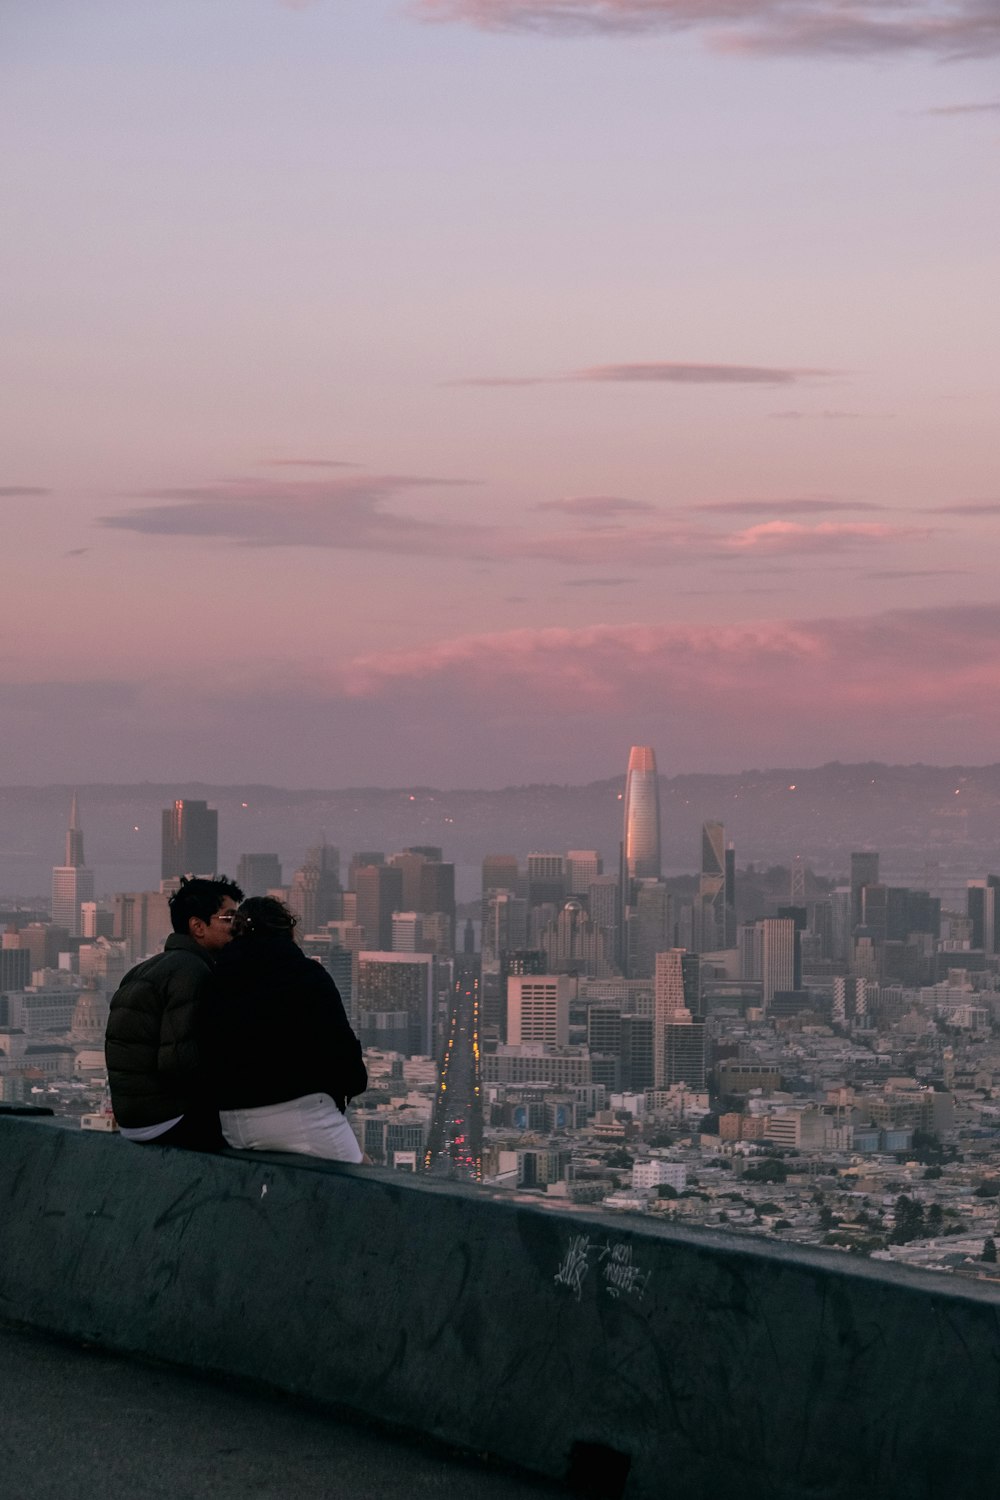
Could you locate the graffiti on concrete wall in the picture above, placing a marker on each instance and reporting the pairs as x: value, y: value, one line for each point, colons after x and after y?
x: 618, y: 1272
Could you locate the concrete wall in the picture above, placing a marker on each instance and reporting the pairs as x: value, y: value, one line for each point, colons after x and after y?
x: 713, y: 1366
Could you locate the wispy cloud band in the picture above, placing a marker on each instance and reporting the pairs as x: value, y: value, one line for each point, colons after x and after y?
x: 946, y: 28
x: 658, y: 372
x: 351, y: 514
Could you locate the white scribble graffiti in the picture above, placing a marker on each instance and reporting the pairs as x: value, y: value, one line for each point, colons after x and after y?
x: 575, y: 1265
x: 619, y: 1273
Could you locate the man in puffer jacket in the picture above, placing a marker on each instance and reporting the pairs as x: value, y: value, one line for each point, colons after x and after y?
x: 151, y: 1045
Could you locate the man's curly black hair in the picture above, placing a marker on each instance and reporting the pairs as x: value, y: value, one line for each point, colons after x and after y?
x: 200, y: 897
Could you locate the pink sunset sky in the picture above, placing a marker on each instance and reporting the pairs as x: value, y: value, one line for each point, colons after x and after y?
x: 459, y: 391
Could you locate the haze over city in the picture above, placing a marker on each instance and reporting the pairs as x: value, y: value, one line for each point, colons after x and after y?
x: 458, y: 392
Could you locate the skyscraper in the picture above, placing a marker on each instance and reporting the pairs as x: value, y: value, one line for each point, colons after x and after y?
x: 982, y: 909
x: 678, y: 1036
x: 711, y: 906
x: 504, y: 925
x: 379, y: 891
x: 500, y: 873
x: 74, y: 838
x: 730, y: 896
x: 256, y: 874
x: 436, y: 892
x: 684, y: 1060
x: 538, y: 1009
x: 779, y: 947
x: 604, y: 905
x: 582, y: 867
x: 410, y: 863
x: 142, y: 923
x: 650, y: 928
x: 642, y: 815
x: 546, y: 879
x: 512, y: 961
x: 395, y: 1004
x: 190, y: 839
x: 72, y: 882
x: 315, y: 892
x: 864, y: 871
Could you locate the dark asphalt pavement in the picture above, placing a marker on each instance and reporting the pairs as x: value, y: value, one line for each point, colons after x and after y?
x: 82, y: 1424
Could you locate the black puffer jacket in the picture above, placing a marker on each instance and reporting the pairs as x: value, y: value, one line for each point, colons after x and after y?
x: 276, y: 1028
x: 151, y: 1046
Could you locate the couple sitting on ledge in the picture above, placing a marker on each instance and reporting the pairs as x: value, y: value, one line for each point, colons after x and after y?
x: 232, y: 1036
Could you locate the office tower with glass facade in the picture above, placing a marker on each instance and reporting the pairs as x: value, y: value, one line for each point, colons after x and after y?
x: 981, y: 906
x: 256, y: 874
x: 684, y: 1054
x: 583, y: 866
x: 501, y: 873
x: 864, y: 871
x: 780, y: 966
x: 546, y: 879
x: 395, y: 1002
x: 650, y: 927
x: 190, y: 844
x: 642, y: 815
x: 379, y: 890
x: 142, y: 923
x: 711, y: 903
x: 678, y: 1032
x: 604, y: 905
x: 410, y: 863
x: 436, y: 894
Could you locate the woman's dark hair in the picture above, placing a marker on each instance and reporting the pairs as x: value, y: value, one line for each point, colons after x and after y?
x: 200, y: 898
x: 264, y: 916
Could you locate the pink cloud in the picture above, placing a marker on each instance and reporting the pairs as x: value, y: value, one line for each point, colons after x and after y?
x: 949, y: 28
x: 788, y: 672
x: 555, y: 704
x: 666, y: 543
x: 791, y: 536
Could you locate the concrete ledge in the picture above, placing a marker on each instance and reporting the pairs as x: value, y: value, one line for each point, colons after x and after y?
x: 654, y: 1362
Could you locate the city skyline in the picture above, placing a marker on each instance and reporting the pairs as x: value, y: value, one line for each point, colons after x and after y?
x: 931, y: 823
x: 452, y: 391
x: 781, y: 1033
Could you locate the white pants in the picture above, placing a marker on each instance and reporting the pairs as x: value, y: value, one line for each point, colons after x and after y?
x: 312, y: 1125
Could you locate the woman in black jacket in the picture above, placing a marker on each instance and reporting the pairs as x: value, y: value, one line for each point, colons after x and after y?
x: 283, y: 1056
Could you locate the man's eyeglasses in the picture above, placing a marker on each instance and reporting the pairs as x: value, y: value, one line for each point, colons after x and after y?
x: 226, y: 916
